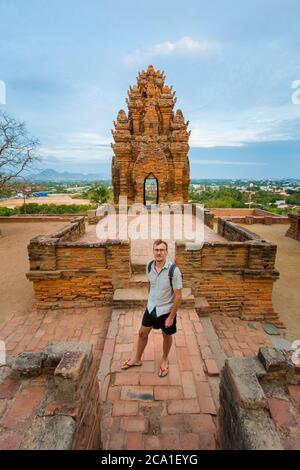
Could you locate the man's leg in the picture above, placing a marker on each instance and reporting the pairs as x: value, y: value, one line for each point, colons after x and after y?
x: 167, y: 343
x: 141, y: 344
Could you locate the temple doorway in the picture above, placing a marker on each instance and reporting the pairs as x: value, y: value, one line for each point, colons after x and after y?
x: 150, y: 190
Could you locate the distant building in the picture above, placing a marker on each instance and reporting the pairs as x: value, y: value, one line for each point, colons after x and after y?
x: 281, y: 204
x: 40, y: 194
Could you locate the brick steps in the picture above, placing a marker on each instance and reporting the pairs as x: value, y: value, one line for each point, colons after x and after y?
x: 133, y: 297
x: 202, y: 306
x: 138, y: 280
x: 137, y: 268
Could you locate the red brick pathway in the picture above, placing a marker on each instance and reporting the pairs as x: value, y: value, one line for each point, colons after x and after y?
x: 34, y: 331
x: 143, y: 411
x: 238, y: 337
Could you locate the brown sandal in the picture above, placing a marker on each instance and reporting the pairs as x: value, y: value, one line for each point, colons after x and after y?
x: 125, y: 364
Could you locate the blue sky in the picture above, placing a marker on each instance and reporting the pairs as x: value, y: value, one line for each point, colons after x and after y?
x: 67, y: 66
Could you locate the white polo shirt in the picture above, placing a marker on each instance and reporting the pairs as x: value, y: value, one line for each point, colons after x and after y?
x: 161, y: 294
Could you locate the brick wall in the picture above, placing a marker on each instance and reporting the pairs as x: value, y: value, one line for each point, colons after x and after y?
x: 209, y: 218
x: 260, y: 402
x: 250, y: 216
x: 70, y: 232
x: 36, y: 218
x: 232, y: 211
x: 73, y: 285
x: 51, y: 399
x: 235, y: 277
x: 63, y: 269
x: 294, y: 229
x: 233, y: 232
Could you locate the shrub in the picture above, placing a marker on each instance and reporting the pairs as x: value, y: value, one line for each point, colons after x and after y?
x: 7, y: 212
x: 34, y: 208
x: 98, y: 193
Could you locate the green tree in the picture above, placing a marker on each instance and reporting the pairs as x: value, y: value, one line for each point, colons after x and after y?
x: 98, y: 193
x: 294, y: 199
x: 222, y: 197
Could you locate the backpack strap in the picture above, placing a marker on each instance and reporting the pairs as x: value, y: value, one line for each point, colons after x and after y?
x: 150, y: 265
x: 171, y: 273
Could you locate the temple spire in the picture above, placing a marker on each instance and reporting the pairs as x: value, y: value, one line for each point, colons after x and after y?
x: 151, y: 139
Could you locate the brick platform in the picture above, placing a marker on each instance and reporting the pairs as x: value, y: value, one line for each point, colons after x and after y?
x: 143, y: 411
x: 34, y: 331
x: 239, y: 338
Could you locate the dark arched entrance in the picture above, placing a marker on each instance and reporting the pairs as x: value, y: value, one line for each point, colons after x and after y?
x: 150, y: 190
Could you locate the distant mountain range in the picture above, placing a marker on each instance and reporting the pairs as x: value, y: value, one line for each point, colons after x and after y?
x: 52, y: 175
x: 59, y: 177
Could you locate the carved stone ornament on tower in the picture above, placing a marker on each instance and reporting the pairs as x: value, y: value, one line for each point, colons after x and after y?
x: 151, y: 141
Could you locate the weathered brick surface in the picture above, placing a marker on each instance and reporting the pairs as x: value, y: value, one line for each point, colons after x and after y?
x: 237, y: 337
x: 294, y: 391
x: 256, y: 411
x: 64, y: 269
x: 43, y: 413
x: 281, y: 412
x: 233, y: 232
x: 80, y: 257
x: 250, y: 216
x: 37, y: 218
x: 93, y: 287
x: 236, y: 277
x: 36, y: 329
x: 294, y: 229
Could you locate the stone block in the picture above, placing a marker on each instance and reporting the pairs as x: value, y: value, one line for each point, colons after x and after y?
x: 71, y: 365
x: 272, y: 359
x: 28, y: 363
x: 258, y: 432
x: 53, y: 433
x: 54, y: 352
x: 245, y: 385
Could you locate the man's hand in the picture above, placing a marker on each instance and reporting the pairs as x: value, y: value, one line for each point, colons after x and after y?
x: 169, y: 321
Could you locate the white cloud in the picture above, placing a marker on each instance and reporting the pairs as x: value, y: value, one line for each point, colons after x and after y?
x: 213, y: 129
x: 80, y: 147
x: 185, y: 45
x: 88, y: 138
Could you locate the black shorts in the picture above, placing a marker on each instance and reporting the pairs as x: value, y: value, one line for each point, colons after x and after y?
x: 159, y: 322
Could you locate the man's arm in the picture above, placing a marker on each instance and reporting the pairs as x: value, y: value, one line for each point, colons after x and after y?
x: 147, y: 275
x: 177, y: 302
x: 177, y: 288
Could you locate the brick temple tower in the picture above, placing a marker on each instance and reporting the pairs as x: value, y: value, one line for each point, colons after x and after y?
x: 151, y: 142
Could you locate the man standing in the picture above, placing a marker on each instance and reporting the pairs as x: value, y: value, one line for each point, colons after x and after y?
x: 165, y: 283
